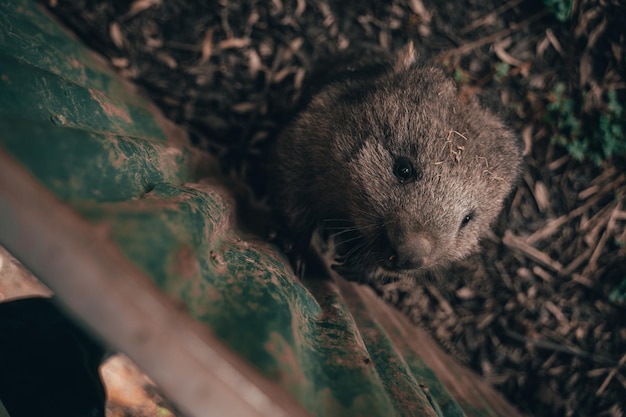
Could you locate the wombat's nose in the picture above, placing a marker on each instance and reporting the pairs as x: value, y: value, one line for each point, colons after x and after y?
x: 413, y: 252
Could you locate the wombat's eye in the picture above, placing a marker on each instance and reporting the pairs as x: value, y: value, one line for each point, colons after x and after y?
x: 404, y: 171
x: 468, y: 218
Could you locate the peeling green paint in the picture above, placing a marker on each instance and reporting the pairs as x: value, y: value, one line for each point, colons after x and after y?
x: 68, y: 104
x: 81, y: 165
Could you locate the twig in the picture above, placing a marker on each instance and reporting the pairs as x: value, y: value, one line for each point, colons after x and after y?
x: 547, y: 345
x: 516, y: 242
x: 580, y: 259
x: 482, y: 20
x: 470, y: 46
x: 553, y: 225
x: 593, y: 261
x: 610, y: 376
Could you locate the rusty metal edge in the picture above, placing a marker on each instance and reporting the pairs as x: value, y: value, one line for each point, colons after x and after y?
x: 118, y: 303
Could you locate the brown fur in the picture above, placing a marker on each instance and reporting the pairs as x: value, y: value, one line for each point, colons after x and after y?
x: 334, y: 168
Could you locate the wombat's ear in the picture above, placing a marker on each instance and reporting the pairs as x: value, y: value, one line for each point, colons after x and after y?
x: 407, y: 57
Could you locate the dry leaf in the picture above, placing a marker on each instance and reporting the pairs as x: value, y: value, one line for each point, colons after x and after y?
x: 115, y: 33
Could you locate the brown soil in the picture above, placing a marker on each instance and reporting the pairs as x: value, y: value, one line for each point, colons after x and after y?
x: 540, y: 312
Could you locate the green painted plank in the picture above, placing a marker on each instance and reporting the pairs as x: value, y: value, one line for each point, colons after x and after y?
x: 79, y: 165
x: 303, y: 338
x: 31, y: 93
x: 436, y: 390
x: 29, y: 18
x: 53, y: 53
x: 402, y: 379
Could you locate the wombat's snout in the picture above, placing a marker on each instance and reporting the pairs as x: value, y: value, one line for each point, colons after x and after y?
x: 413, y: 251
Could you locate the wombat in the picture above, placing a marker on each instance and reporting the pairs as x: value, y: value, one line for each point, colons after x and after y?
x: 390, y: 161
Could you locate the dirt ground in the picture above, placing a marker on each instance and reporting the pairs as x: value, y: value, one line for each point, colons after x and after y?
x: 541, y: 311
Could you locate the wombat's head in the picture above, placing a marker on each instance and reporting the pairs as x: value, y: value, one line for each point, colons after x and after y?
x: 424, y: 173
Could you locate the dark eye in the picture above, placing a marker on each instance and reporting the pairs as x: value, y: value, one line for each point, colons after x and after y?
x: 404, y: 171
x: 468, y: 218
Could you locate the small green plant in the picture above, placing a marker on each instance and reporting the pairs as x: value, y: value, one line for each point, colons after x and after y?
x: 502, y: 70
x: 596, y: 136
x: 561, y: 9
x: 618, y: 295
x: 459, y: 76
x: 612, y: 127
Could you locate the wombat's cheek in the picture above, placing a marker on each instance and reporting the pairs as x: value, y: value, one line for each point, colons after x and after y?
x: 463, y: 247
